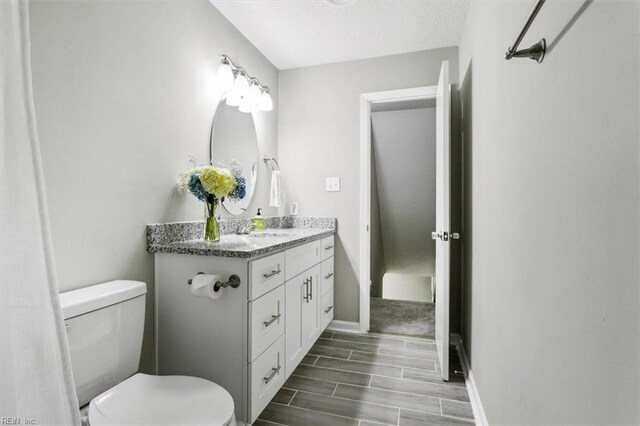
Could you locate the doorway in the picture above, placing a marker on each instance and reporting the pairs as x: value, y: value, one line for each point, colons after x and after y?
x: 403, y: 215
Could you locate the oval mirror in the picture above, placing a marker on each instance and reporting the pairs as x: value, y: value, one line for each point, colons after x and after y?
x: 233, y: 138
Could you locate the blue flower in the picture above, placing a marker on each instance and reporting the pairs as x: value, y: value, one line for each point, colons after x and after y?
x: 240, y: 189
x: 196, y: 188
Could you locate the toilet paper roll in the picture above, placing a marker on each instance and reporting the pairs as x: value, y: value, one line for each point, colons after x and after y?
x: 202, y: 286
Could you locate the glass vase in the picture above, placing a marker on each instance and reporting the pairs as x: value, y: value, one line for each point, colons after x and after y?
x: 211, y: 226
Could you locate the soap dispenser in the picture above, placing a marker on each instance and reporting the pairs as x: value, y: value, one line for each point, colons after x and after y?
x: 258, y: 221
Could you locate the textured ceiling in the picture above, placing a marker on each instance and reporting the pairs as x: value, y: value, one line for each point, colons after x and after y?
x: 300, y: 33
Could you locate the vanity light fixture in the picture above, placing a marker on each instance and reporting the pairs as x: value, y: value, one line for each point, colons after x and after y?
x: 225, y: 77
x: 241, y: 84
x: 252, y: 97
x: 265, y: 104
x: 240, y: 89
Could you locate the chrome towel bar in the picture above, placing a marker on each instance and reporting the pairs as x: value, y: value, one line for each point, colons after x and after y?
x: 535, y: 52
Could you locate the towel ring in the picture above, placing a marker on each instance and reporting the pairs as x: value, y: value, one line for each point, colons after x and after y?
x: 266, y: 161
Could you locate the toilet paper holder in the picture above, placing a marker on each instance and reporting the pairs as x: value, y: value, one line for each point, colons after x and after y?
x: 233, y: 282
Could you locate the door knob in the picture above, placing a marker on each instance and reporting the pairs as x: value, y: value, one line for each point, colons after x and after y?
x: 436, y: 235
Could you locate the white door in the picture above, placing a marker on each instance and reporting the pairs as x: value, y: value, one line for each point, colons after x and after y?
x: 442, y: 234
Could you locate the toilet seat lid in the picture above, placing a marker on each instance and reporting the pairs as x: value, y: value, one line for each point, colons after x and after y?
x: 162, y: 400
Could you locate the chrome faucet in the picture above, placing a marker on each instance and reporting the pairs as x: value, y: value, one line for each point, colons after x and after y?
x: 244, y: 230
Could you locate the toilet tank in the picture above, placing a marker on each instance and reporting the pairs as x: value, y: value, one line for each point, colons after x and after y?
x: 104, y: 325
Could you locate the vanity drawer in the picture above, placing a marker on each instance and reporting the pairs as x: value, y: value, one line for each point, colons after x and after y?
x: 327, y: 247
x: 327, y: 276
x: 301, y: 258
x: 267, y: 376
x: 266, y: 274
x: 266, y: 319
x: 327, y: 309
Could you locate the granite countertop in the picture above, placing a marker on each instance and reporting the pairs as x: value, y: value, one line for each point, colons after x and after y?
x: 279, y: 233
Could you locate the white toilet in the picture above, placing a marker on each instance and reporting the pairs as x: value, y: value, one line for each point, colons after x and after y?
x: 104, y: 326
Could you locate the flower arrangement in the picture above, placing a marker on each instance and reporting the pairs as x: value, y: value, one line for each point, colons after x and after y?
x: 211, y: 184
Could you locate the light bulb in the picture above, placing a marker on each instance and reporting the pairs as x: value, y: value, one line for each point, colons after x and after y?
x: 224, y: 77
x: 265, y: 103
x: 246, y: 106
x: 251, y: 98
x: 233, y: 98
x: 241, y: 83
x: 254, y: 94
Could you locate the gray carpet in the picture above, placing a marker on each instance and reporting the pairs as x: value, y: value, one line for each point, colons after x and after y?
x: 402, y: 317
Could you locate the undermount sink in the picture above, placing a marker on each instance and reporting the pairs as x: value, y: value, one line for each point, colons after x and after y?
x: 265, y: 235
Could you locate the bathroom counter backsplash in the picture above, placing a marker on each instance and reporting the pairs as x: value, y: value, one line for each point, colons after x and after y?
x: 279, y: 233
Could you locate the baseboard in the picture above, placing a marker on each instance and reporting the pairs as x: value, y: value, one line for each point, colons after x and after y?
x: 344, y: 326
x: 474, y: 395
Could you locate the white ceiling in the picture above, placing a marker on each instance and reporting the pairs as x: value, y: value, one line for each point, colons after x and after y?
x: 300, y: 33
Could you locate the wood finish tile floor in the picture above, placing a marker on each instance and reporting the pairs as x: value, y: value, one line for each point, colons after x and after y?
x: 349, y: 379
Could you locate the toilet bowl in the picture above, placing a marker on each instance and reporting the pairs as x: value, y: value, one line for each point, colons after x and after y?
x: 104, y: 326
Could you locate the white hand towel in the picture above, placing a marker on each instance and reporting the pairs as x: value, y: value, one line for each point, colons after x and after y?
x: 276, y: 189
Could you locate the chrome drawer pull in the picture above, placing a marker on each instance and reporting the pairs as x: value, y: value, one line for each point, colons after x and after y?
x: 326, y: 311
x: 328, y: 247
x: 311, y: 291
x: 306, y: 290
x: 271, y: 321
x: 326, y: 277
x: 272, y: 274
x: 274, y: 371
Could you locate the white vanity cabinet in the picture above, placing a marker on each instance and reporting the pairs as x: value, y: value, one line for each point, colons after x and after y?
x: 251, y: 338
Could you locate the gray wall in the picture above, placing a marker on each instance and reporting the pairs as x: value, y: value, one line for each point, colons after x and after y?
x: 404, y: 142
x: 319, y: 136
x: 552, y: 184
x: 124, y: 91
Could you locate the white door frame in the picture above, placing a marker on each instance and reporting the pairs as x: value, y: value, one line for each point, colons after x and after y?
x: 366, y: 99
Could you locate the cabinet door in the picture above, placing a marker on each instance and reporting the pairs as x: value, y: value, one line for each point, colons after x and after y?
x: 311, y: 315
x: 303, y: 316
x: 295, y: 291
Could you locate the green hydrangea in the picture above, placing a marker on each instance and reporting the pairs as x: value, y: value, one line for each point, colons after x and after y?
x: 217, y: 181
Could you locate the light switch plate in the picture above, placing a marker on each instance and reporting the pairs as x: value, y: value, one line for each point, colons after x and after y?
x: 333, y: 184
